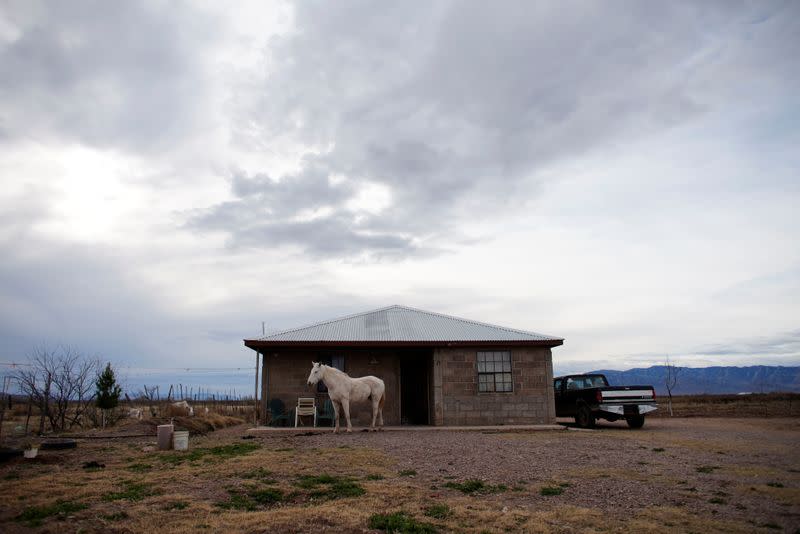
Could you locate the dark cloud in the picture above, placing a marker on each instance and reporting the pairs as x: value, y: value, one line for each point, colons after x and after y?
x: 457, y: 107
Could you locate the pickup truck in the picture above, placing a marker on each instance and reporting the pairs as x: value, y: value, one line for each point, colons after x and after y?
x: 589, y: 397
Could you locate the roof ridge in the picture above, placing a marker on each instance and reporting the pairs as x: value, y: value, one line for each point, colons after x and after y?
x: 409, y: 308
x: 481, y: 323
x: 328, y: 321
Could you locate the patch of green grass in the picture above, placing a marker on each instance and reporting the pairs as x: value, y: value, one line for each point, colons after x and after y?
x: 772, y: 526
x: 407, y: 473
x: 717, y: 500
x: 220, y: 452
x: 706, y: 469
x: 116, y: 516
x: 266, y: 496
x: 139, y: 468
x: 658, y: 449
x: 548, y: 491
x: 474, y: 485
x: 399, y: 522
x: 262, y: 475
x: 334, y: 487
x: 338, y: 490
x: 374, y: 477
x: 34, y: 516
x: 774, y: 484
x: 176, y: 505
x: 438, y: 511
x: 238, y: 501
x: 251, y: 500
x: 132, y: 491
x: 518, y: 488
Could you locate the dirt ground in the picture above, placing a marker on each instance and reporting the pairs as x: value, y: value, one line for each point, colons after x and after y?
x: 674, y: 475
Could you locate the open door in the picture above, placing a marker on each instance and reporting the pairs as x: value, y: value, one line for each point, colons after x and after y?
x: 414, y: 388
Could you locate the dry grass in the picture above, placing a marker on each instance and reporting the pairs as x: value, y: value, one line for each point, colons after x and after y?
x: 224, y: 483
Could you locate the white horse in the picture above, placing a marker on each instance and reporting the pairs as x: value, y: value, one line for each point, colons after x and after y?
x: 343, y: 390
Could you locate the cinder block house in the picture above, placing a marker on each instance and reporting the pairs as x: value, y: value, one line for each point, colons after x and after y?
x: 438, y: 369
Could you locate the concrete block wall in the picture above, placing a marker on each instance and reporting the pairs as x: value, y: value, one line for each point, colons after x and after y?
x: 287, y: 373
x: 458, y: 402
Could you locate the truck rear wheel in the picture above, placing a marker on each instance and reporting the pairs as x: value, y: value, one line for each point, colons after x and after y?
x: 584, y: 417
x: 635, y: 421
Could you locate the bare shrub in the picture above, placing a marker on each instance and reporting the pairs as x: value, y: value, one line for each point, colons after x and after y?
x: 61, y: 383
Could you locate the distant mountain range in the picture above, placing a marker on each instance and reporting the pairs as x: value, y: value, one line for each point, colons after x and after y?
x: 712, y: 380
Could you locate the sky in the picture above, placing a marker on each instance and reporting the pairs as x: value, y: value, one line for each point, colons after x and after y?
x: 622, y: 175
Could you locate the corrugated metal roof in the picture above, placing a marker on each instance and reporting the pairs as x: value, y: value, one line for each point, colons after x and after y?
x: 403, y: 324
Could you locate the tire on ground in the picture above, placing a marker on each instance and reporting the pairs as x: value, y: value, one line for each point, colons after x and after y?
x: 584, y: 417
x: 635, y: 421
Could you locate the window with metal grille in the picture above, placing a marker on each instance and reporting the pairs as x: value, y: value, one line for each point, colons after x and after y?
x: 494, y: 371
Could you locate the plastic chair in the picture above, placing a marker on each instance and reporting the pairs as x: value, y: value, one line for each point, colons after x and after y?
x: 305, y: 406
x: 327, y: 413
x: 278, y: 413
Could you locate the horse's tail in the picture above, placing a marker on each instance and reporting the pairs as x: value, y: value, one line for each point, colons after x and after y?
x: 383, y: 399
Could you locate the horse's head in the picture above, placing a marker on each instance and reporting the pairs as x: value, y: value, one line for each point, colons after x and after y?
x: 316, y: 374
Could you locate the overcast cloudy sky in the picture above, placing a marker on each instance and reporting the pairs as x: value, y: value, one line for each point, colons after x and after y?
x: 625, y: 175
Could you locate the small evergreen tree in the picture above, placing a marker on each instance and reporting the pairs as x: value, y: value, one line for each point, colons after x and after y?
x: 108, y: 391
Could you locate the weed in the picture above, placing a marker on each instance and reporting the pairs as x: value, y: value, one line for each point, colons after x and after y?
x: 13, y: 475
x: 312, y: 481
x: 407, y: 473
x: 139, y: 468
x: 35, y: 515
x: 116, y: 516
x: 518, y: 488
x: 132, y: 491
x: 374, y: 477
x: 284, y: 449
x: 238, y: 501
x: 251, y: 500
x: 221, y: 452
x: 262, y: 475
x: 177, y: 505
x: 774, y: 484
x: 717, y: 500
x: 658, y: 449
x: 399, y: 522
x: 772, y: 526
x: 475, y: 485
x: 438, y: 511
x: 338, y: 490
x: 706, y: 469
x: 548, y: 491
x: 266, y: 496
x: 335, y: 487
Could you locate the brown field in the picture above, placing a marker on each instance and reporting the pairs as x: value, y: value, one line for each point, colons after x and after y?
x: 675, y: 475
x: 756, y: 405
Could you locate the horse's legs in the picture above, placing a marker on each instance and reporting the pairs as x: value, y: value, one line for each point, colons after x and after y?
x: 346, y: 406
x: 335, y: 416
x: 374, y: 412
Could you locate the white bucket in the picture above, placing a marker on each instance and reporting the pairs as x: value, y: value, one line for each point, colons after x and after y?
x: 165, y: 437
x: 180, y: 440
x: 30, y: 453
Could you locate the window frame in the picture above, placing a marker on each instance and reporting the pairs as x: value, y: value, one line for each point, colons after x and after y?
x: 492, y: 359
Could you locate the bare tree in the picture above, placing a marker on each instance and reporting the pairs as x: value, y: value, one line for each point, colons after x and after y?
x: 671, y: 374
x: 61, y: 383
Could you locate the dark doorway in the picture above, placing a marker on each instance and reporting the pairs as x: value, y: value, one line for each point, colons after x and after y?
x: 414, y: 388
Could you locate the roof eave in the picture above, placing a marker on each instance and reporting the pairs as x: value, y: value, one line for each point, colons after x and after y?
x: 261, y: 344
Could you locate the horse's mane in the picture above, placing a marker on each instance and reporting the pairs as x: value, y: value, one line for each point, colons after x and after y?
x: 335, y: 370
